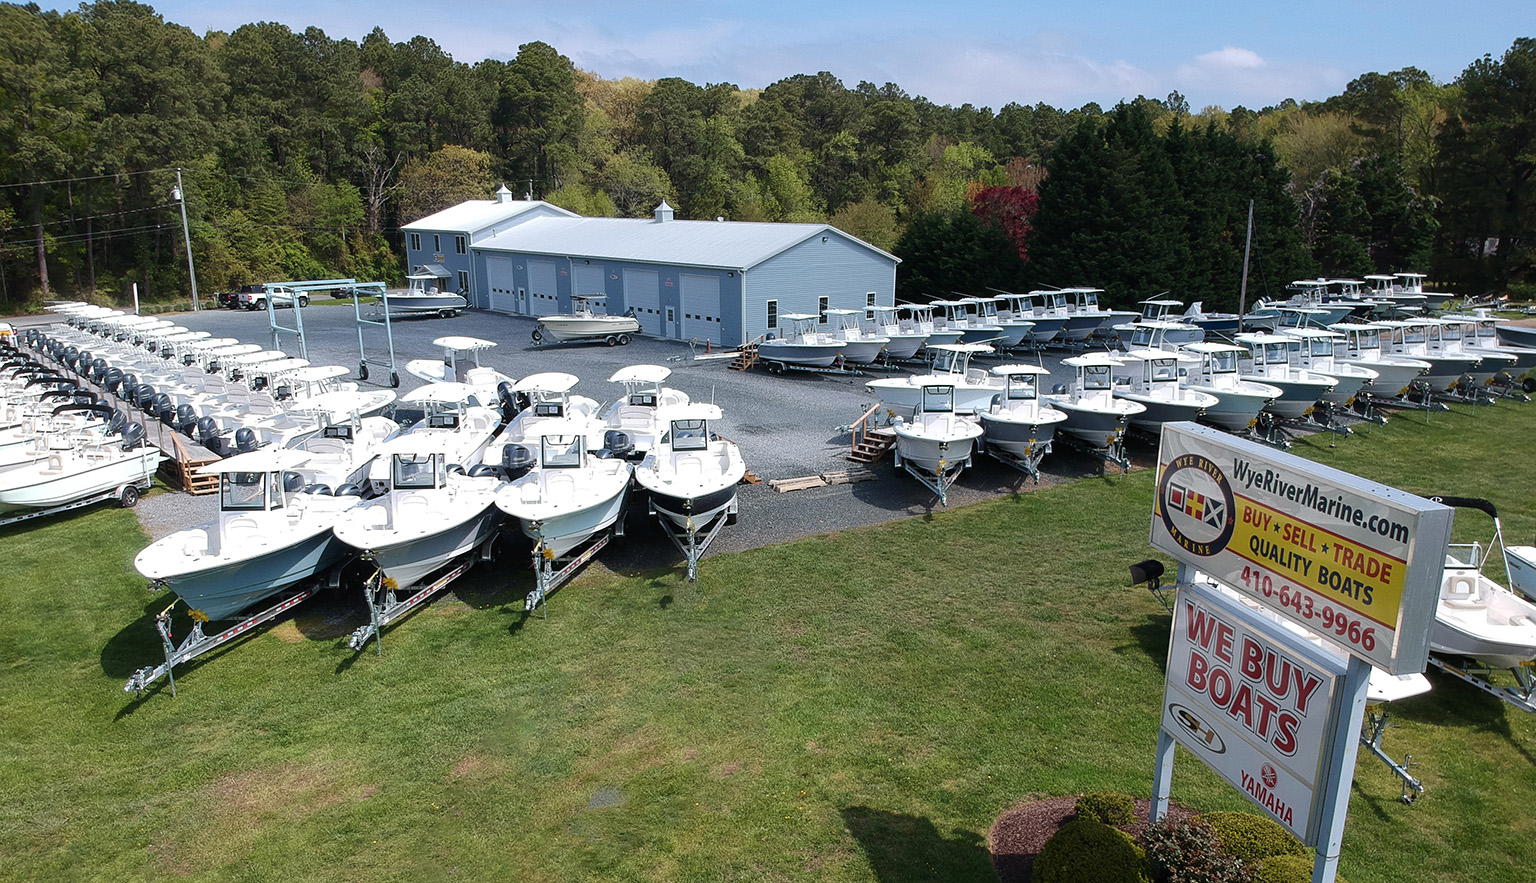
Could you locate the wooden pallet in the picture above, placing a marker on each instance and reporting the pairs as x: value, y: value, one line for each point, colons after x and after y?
x: 849, y: 476
x: 841, y: 476
x: 750, y: 477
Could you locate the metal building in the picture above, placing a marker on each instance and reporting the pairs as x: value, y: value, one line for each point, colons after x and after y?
x: 440, y: 243
x: 722, y: 281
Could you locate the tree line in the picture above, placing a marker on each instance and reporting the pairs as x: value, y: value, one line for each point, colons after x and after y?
x: 300, y: 155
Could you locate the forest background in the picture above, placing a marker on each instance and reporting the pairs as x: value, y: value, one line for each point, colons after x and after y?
x: 300, y: 157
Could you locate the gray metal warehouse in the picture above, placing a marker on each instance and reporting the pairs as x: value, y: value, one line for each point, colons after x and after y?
x: 727, y: 282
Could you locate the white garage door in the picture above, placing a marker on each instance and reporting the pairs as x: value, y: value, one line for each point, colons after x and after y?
x: 642, y: 293
x: 701, y: 307
x: 502, y: 283
x: 543, y: 289
x: 590, y: 280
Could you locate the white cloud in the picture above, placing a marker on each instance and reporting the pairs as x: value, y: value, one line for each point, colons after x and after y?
x: 1230, y: 58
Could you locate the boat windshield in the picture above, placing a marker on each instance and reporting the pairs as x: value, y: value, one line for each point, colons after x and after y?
x: 643, y: 399
x: 560, y: 451
x: 689, y: 435
x: 1141, y: 337
x: 1096, y: 377
x: 245, y: 491
x: 1021, y: 387
x: 417, y: 471
x: 548, y: 409
x: 1276, y: 353
x: 1322, y: 346
x: 1224, y: 362
x: 1162, y: 370
x: 938, y: 398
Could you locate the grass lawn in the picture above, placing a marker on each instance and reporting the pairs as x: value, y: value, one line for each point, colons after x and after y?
x: 856, y: 706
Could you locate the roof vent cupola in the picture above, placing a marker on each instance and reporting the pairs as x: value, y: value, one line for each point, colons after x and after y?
x: 663, y: 211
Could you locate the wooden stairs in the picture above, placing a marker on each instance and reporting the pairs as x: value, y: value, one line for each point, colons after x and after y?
x: 870, y: 439
x: 746, y: 357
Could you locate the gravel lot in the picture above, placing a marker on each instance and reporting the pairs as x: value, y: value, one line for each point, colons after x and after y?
x: 787, y: 426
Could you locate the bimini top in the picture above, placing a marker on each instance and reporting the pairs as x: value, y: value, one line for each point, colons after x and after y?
x: 960, y: 347
x: 641, y: 374
x: 1006, y: 370
x: 799, y: 317
x: 439, y: 392
x: 1212, y: 347
x: 317, y: 373
x: 463, y: 344
x: 266, y: 460
x: 548, y: 381
x: 694, y: 411
x: 1093, y: 360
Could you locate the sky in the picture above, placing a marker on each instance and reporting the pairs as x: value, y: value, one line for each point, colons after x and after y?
x: 982, y: 52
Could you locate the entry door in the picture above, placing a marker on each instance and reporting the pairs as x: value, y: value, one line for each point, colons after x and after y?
x: 543, y: 289
x: 642, y: 293
x: 701, y: 307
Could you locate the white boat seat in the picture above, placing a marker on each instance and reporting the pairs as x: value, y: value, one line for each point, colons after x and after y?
x: 976, y: 376
x: 413, y: 505
x: 636, y: 417
x: 689, y: 466
x: 558, y: 483
x: 1461, y: 591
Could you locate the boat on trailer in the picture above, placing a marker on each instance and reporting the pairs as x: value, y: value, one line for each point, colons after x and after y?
x: 935, y: 446
x: 584, y: 322
x: 423, y: 297
x: 691, y: 477
x: 1017, y: 428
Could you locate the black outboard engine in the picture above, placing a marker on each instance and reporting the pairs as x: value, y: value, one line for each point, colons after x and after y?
x: 112, y: 379
x: 515, y: 460
x: 618, y: 443
x: 321, y: 489
x: 207, y: 434
x: 293, y: 482
x: 98, y: 370
x: 246, y: 440
x: 116, y: 422
x: 163, y: 408
x: 133, y: 436
x: 508, y: 399
x: 185, y: 420
x: 144, y: 396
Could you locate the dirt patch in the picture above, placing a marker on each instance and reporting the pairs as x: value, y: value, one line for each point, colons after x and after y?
x: 470, y: 765
x: 725, y: 771
x: 1018, y: 834
x: 813, y: 748
x: 690, y: 754
x: 287, y: 632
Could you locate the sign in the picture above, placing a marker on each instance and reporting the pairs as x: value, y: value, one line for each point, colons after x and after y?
x: 1256, y: 702
x: 1356, y: 562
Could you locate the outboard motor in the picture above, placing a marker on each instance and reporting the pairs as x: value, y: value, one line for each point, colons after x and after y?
x: 618, y: 443
x: 516, y: 460
x: 245, y: 440
x: 133, y: 436
x: 145, y: 397
x: 116, y: 422
x: 207, y: 434
x: 112, y: 379
x: 350, y: 490
x: 163, y: 408
x: 293, y: 482
x: 508, y: 399
x: 185, y: 420
x: 98, y: 370
x: 317, y: 488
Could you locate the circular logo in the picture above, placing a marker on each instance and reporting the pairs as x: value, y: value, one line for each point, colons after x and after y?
x: 1196, y: 729
x: 1268, y: 774
x: 1196, y: 504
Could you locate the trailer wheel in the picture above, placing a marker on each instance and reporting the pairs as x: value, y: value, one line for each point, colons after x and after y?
x: 362, y: 371
x: 394, y: 380
x: 623, y: 340
x: 445, y: 314
x: 128, y: 496
x: 1528, y: 384
x: 538, y: 336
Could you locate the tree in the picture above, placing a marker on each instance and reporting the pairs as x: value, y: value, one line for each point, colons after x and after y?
x: 1010, y: 210
x: 869, y: 220
x: 444, y: 178
x: 953, y: 252
x: 538, y: 116
x: 1342, y: 226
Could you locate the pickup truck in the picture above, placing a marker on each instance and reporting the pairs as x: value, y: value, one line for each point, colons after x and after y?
x: 281, y: 297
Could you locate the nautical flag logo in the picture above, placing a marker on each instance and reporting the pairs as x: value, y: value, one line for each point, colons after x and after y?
x: 1196, y: 505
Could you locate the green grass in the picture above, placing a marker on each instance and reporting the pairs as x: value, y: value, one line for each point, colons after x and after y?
x: 857, y: 706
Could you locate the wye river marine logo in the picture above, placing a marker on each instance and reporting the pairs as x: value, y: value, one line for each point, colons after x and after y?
x: 1196, y: 505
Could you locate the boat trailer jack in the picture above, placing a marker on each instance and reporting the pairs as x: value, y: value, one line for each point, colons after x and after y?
x: 198, y: 643
x: 688, y: 538
x: 385, y: 606
x: 1029, y: 464
x: 1522, y: 697
x: 1372, y: 729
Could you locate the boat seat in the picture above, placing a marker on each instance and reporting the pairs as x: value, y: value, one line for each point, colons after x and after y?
x: 636, y: 417
x: 413, y: 506
x: 976, y: 376
x: 558, y: 483
x: 689, y: 466
x: 1461, y: 591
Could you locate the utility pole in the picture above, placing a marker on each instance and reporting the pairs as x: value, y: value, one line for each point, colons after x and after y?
x: 1242, y: 297
x: 180, y: 196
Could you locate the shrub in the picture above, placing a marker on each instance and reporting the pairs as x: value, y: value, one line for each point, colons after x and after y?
x: 1287, y: 868
x: 1109, y: 807
x: 1251, y: 837
x: 1086, y: 851
x: 1190, y: 852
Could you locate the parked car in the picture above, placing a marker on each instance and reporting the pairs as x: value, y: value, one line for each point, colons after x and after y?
x: 280, y: 296
x: 231, y: 299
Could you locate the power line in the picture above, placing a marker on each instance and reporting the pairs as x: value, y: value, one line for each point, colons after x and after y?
x: 80, y: 237
x: 129, y: 211
x: 88, y: 178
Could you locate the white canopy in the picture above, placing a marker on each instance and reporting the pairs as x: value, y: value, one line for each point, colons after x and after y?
x: 640, y: 374
x: 548, y: 381
x: 265, y: 460
x: 459, y: 342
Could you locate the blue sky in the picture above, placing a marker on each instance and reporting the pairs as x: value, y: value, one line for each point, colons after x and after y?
x: 979, y: 51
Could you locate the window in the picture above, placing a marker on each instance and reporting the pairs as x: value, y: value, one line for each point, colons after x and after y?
x: 869, y: 299
x: 689, y: 435
x: 416, y: 471
x: 773, y: 314
x: 458, y: 244
x: 437, y: 244
x: 463, y: 280
x: 821, y: 307
x: 242, y: 491
x: 415, y: 242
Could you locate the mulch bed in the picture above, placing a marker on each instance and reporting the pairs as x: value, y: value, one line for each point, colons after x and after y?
x: 1019, y: 833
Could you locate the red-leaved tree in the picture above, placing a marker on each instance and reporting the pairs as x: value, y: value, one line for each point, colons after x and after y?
x: 1010, y: 210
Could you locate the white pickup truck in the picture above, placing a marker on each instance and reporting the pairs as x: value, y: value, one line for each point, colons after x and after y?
x: 281, y: 297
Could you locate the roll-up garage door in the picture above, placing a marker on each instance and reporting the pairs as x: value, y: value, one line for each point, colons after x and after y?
x: 642, y: 293
x: 543, y: 289
x: 501, y: 282
x: 589, y: 280
x: 701, y: 307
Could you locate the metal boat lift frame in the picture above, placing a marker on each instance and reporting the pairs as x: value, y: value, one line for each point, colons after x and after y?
x: 550, y: 573
x: 385, y: 606
x: 687, y: 538
x: 197, y: 643
x: 277, y: 328
x: 374, y: 320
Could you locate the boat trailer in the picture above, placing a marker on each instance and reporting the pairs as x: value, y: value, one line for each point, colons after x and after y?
x: 776, y: 366
x: 693, y: 540
x: 126, y: 496
x: 1522, y: 696
x: 1029, y: 464
x: 197, y: 642
x: 550, y: 573
x: 385, y: 605
x: 1114, y: 452
x: 939, y: 480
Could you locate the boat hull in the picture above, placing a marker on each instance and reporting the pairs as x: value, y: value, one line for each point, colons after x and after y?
x: 936, y: 446
x: 701, y: 507
x: 1517, y: 335
x: 1522, y: 569
x: 907, y: 392
x: 588, y: 327
x: 563, y: 532
x: 862, y: 351
x: 408, y: 560
x: 1019, y: 436
x: 1158, y: 411
x: 1392, y: 376
x: 1236, y: 409
x: 812, y: 355
x: 905, y: 346
x: 1093, y: 424
x: 223, y: 591
x: 402, y: 303
x: 41, y: 489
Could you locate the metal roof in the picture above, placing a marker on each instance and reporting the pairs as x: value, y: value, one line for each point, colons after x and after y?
x: 475, y: 215
x: 727, y: 244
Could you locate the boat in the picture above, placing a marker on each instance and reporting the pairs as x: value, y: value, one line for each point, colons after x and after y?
x: 904, y: 338
x: 1312, y: 294
x: 1239, y: 400
x: 458, y: 427
x: 584, y: 322
x: 569, y: 496
x: 1150, y: 378
x: 640, y: 414
x: 923, y: 321
x: 340, y: 455
x: 1269, y: 361
x: 1480, y: 335
x: 1014, y: 307
x: 1316, y: 350
x: 1477, y: 617
x: 271, y: 534
x: 431, y: 512
x: 802, y: 346
x: 1087, y: 317
x: 1424, y: 339
x: 936, y: 445
x: 422, y: 297
x: 1459, y: 335
x: 461, y: 364
x: 1018, y: 426
x: 1362, y: 346
x: 1225, y: 324
x: 955, y: 315
x: 119, y: 464
x: 1018, y: 330
x: 860, y: 347
x: 546, y: 398
x: 950, y: 366
x: 1175, y: 332
x: 692, y: 474
x: 1095, y: 416
x: 1523, y: 336
x: 1400, y: 301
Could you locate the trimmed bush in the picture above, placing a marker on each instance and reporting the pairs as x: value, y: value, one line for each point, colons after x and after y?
x: 1289, y: 868
x: 1109, y: 807
x: 1190, y: 852
x: 1086, y: 851
x: 1251, y: 837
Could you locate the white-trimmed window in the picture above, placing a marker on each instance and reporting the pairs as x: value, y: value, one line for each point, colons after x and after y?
x: 463, y: 280
x: 773, y: 314
x: 869, y: 299
x: 459, y: 247
x: 821, y: 307
x: 415, y: 242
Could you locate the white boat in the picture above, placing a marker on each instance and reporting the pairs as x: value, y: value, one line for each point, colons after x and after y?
x: 1150, y: 378
x: 422, y: 297
x: 1311, y: 293
x: 317, y: 389
x: 340, y: 455
x: 1423, y: 339
x: 692, y: 475
x: 1225, y: 324
x: 1095, y: 417
x: 1316, y: 350
x: 1269, y: 361
x: 112, y: 464
x: 936, y: 445
x: 270, y: 534
x: 453, y: 424
x: 1391, y: 290
x: 1013, y: 307
x: 1018, y: 330
x: 430, y: 515
x: 569, y: 496
x: 461, y: 364
x: 1239, y: 400
x: 860, y: 346
x: 1520, y: 562
x: 546, y: 400
x: 1083, y: 304
x: 639, y: 414
x: 1362, y: 346
x: 1459, y: 335
x: 1017, y: 422
x: 956, y: 315
x: 802, y: 345
x: 904, y: 338
x: 973, y: 388
x: 1476, y: 617
x: 1480, y: 335
x: 923, y: 322
x: 1523, y: 336
x: 584, y: 322
x: 1173, y: 332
